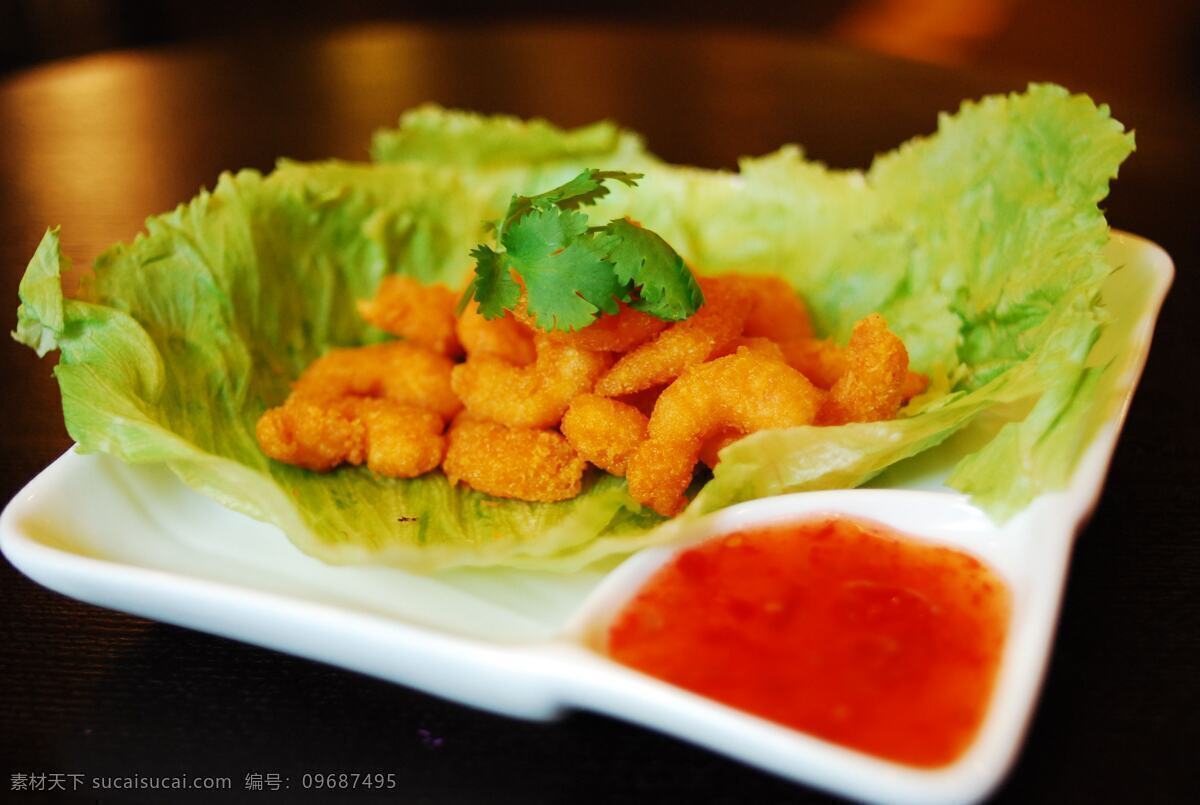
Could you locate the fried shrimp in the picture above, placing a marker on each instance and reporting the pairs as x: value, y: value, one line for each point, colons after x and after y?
x: 872, y: 386
x: 521, y: 463
x: 534, y: 396
x: 621, y: 332
x: 823, y: 362
x: 396, y: 370
x: 776, y: 311
x: 738, y: 394
x: 311, y: 435
x: 713, y: 445
x: 819, y: 359
x: 763, y: 346
x: 394, y: 439
x: 643, y: 400
x: 402, y: 441
x: 504, y: 337
x: 604, y: 431
x: 423, y: 314
x: 683, y: 344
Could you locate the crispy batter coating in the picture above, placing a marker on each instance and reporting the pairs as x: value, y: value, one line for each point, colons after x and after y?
x: 740, y: 393
x: 621, y: 332
x: 872, y: 387
x: 604, y: 431
x: 914, y: 384
x: 714, y: 444
x: 534, y: 396
x: 423, y: 314
x: 402, y: 441
x: 396, y: 370
x: 776, y: 312
x: 311, y: 434
x: 718, y: 321
x: 818, y: 359
x: 823, y: 362
x: 643, y: 400
x: 394, y: 439
x: 763, y: 346
x: 521, y: 463
x: 504, y: 338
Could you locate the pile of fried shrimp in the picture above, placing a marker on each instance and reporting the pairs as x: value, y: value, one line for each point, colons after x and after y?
x: 515, y: 412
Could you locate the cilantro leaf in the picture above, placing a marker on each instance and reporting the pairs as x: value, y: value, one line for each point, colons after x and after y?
x: 567, y: 281
x: 586, y: 188
x: 493, y: 286
x: 642, y: 258
x: 572, y: 271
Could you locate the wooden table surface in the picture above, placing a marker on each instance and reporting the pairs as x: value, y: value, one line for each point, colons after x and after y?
x: 99, y: 143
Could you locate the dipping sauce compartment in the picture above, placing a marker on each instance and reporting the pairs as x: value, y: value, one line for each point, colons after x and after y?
x: 832, y: 625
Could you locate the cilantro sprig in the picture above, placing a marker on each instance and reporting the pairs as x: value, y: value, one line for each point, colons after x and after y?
x: 573, y: 271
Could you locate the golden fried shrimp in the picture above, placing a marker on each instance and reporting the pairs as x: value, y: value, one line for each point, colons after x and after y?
x: 310, y: 434
x: 763, y: 346
x: 604, y: 431
x: 914, y: 383
x: 776, y: 311
x: 714, y: 444
x: 823, y: 362
x: 643, y: 400
x: 521, y: 463
x: 394, y: 439
x: 402, y: 441
x: 872, y: 387
x: 694, y: 340
x: 818, y: 359
x: 396, y: 370
x: 423, y: 314
x: 738, y: 394
x: 621, y: 332
x: 534, y: 396
x: 504, y: 337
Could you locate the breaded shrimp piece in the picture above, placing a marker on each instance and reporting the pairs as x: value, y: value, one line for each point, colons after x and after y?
x: 823, y: 362
x: 422, y: 314
x: 694, y: 340
x: 604, y: 431
x: 714, y: 444
x: 534, y: 396
x: 872, y: 387
x: 763, y: 346
x: 402, y: 441
x: 777, y: 312
x: 914, y: 384
x: 643, y: 400
x: 394, y: 439
x: 621, y: 332
x: 521, y: 463
x: 396, y: 370
x: 504, y: 337
x: 819, y: 359
x: 740, y: 393
x: 310, y: 434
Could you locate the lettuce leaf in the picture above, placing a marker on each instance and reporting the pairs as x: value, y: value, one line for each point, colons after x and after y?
x: 432, y: 134
x: 980, y: 245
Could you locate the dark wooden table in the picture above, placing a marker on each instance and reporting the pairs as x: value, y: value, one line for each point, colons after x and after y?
x: 99, y: 143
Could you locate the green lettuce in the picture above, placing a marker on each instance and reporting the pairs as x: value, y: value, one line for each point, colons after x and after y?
x: 981, y: 245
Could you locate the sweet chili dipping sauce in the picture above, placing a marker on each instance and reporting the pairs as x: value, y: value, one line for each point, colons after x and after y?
x: 840, y: 628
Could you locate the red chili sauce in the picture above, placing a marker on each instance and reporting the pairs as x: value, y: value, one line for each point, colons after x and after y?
x: 843, y: 629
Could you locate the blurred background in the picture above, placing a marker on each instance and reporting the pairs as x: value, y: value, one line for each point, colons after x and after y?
x: 1119, y: 50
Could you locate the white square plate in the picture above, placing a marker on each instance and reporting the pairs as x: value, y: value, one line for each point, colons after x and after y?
x: 522, y: 643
